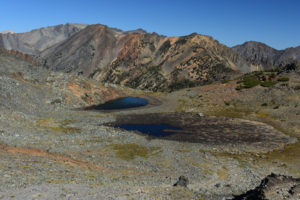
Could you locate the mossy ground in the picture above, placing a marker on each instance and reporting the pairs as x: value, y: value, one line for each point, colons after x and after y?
x: 131, y: 151
x: 57, y: 126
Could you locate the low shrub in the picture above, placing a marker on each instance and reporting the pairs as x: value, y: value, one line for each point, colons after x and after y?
x: 239, y: 87
x: 253, y: 79
x: 297, y: 87
x: 154, y: 69
x: 250, y: 81
x: 182, y: 40
x: 165, y: 47
x: 224, y: 81
x: 227, y: 103
x: 276, y: 107
x: 182, y: 83
x: 272, y: 70
x: 283, y: 79
x: 268, y: 83
x: 122, y: 76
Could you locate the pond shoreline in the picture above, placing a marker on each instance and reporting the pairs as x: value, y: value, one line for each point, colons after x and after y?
x: 151, y: 103
x: 221, y: 132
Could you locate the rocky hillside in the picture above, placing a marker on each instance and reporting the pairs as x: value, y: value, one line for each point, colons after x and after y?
x: 274, y: 187
x: 17, y: 54
x: 52, y: 149
x: 92, y: 48
x: 39, y: 39
x: 27, y: 87
x: 265, y: 57
x: 141, y: 60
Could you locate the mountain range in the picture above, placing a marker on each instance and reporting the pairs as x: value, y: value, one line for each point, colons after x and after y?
x: 37, y: 40
x: 143, y: 60
x: 266, y: 57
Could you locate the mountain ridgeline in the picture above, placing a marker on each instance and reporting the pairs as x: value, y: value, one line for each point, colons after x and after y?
x: 142, y: 60
x: 263, y: 56
x: 37, y: 40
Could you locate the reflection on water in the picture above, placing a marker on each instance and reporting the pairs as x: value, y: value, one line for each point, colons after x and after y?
x: 123, y: 103
x: 158, y: 130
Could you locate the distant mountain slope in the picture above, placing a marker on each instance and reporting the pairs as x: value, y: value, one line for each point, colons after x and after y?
x: 264, y: 57
x: 39, y: 39
x: 290, y: 55
x: 8, y: 32
x: 142, y: 60
x: 86, y: 51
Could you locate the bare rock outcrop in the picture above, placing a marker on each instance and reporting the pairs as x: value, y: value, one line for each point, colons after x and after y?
x: 275, y: 187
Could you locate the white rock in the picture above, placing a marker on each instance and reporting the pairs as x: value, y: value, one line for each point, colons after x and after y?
x: 201, y: 114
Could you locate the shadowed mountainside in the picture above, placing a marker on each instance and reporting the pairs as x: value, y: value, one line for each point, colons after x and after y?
x: 265, y: 57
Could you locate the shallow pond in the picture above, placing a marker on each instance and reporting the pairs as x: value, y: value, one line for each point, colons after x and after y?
x: 243, y: 135
x: 123, y: 103
x: 157, y: 130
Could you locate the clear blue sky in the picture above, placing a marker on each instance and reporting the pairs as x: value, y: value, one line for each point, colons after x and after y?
x: 274, y: 22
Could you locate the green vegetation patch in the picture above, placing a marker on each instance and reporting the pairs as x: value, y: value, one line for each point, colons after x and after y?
x: 56, y: 126
x: 262, y: 78
x: 182, y: 83
x: 154, y: 69
x: 268, y: 83
x: 131, y: 151
x: 184, y: 150
x: 250, y: 81
x: 283, y: 79
x: 273, y: 70
x: 123, y: 76
x: 232, y: 112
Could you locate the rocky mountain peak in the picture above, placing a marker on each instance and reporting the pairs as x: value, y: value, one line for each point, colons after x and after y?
x: 7, y: 32
x: 38, y: 40
x: 266, y: 57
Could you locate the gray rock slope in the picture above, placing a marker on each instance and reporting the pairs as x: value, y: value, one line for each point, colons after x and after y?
x: 38, y: 39
x: 264, y: 57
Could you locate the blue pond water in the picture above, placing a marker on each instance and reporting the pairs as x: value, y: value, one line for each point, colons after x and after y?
x: 156, y: 130
x: 123, y: 103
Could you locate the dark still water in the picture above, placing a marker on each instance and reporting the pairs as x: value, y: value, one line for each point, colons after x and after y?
x: 123, y: 103
x: 157, y: 130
